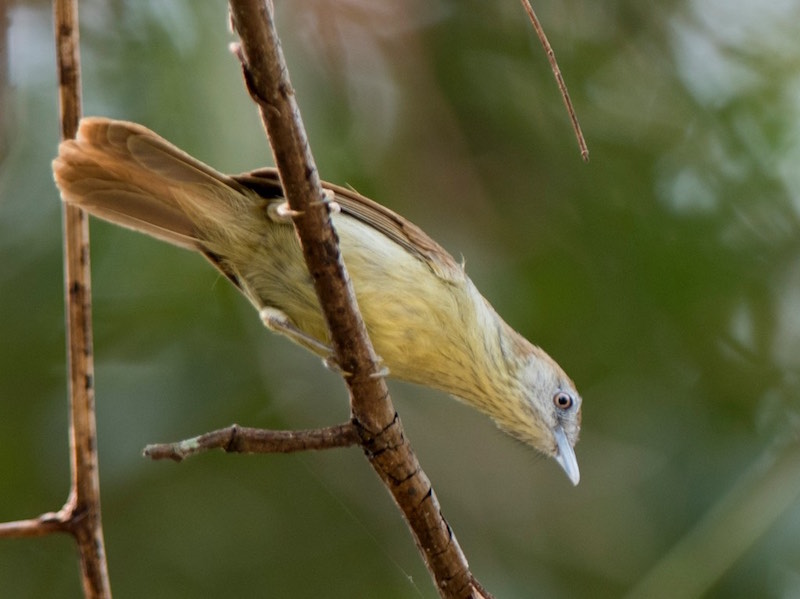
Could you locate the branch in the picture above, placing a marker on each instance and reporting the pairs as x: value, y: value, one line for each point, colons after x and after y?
x: 82, y: 509
x: 45, y: 524
x: 562, y: 86
x: 80, y: 515
x: 83, y: 505
x: 239, y: 439
x: 373, y: 414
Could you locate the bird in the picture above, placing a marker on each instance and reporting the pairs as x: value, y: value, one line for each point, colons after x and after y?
x: 426, y: 319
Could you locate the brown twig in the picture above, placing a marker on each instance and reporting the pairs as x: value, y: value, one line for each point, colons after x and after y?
x: 372, y: 411
x: 562, y: 86
x: 240, y: 439
x: 80, y: 515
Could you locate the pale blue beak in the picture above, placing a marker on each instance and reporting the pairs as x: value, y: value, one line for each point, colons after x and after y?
x: 566, y: 456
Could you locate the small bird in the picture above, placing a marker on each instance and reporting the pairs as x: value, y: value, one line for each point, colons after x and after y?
x: 426, y: 319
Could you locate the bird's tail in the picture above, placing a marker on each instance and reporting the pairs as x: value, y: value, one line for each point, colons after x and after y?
x: 124, y: 173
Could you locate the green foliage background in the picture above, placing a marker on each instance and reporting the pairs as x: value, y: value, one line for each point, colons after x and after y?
x: 664, y: 276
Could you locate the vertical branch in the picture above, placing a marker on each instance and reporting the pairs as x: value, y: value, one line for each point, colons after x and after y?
x: 83, y: 506
x: 379, y: 427
x: 80, y: 515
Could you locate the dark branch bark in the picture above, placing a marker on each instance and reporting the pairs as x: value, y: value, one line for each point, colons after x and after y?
x: 372, y: 411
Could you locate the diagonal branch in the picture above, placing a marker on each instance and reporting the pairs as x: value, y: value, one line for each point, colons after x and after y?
x: 373, y: 414
x: 562, y: 86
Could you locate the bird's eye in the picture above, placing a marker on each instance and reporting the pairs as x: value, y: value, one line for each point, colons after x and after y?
x: 563, y: 400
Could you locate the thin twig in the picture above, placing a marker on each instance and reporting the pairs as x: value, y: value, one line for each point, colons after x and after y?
x: 562, y: 86
x: 240, y: 439
x: 379, y: 427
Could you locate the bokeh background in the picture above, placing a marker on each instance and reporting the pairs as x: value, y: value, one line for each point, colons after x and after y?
x: 664, y: 276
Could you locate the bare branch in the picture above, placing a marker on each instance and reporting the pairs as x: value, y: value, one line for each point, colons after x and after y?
x: 83, y: 505
x: 239, y: 439
x: 372, y: 411
x: 562, y: 86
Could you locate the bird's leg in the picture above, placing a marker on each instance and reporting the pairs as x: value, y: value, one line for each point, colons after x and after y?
x: 280, y: 212
x: 279, y: 322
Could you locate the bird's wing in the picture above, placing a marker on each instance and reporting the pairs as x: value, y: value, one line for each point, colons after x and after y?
x: 266, y: 183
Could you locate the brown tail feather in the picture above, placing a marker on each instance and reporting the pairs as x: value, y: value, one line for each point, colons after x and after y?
x: 125, y: 173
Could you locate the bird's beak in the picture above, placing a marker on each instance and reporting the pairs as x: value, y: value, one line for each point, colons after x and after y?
x: 566, y: 456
